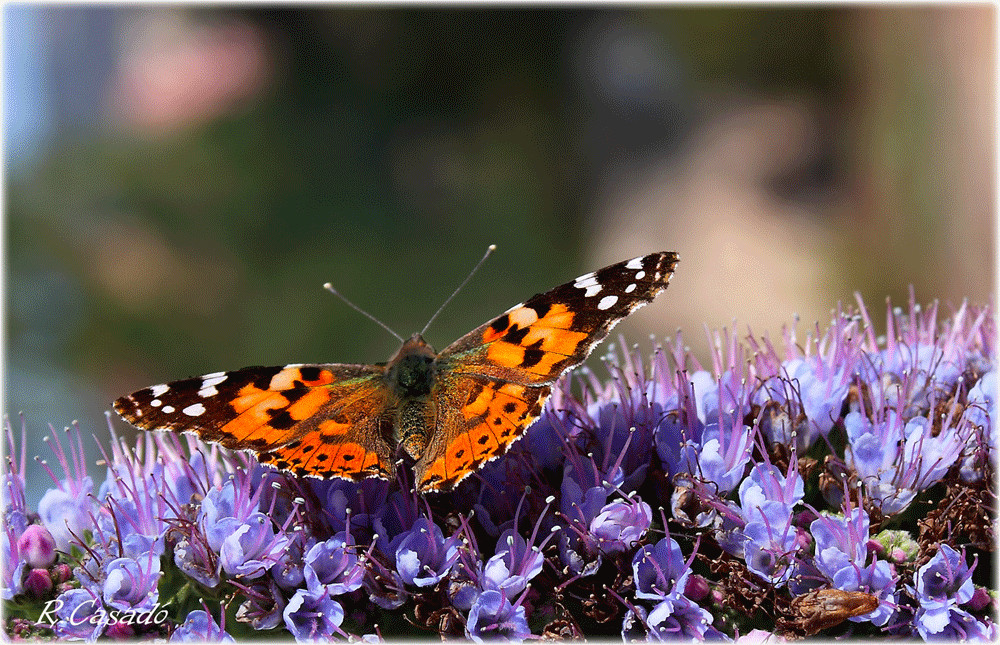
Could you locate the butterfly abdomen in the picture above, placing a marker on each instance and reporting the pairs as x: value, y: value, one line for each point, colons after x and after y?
x: 412, y: 430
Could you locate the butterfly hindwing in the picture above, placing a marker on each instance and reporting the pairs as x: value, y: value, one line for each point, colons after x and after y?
x: 477, y: 420
x: 322, y: 420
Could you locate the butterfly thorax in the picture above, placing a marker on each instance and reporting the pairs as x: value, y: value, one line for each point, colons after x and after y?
x: 410, y: 376
x: 410, y: 373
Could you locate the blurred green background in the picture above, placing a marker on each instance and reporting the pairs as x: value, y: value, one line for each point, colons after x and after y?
x: 181, y: 181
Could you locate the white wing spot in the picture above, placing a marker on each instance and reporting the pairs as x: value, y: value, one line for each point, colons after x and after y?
x: 159, y: 390
x: 206, y: 392
x: 168, y: 409
x: 517, y: 306
x: 630, y: 288
x: 607, y: 302
x: 156, y: 403
x: 585, y: 281
x: 634, y: 263
x: 640, y: 275
x: 213, y: 379
x: 194, y: 410
x: 593, y: 290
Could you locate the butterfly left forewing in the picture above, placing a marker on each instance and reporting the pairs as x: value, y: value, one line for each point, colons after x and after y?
x: 323, y: 420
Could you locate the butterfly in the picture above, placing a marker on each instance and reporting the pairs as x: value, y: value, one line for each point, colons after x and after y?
x: 451, y: 412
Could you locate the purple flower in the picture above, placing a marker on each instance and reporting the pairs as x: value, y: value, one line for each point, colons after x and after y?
x: 813, y: 382
x: 194, y: 556
x: 37, y: 546
x: 770, y: 547
x: 129, y: 529
x: 980, y: 412
x: 620, y: 524
x: 660, y: 571
x: 252, y: 548
x: 200, y: 627
x: 679, y: 619
x: 897, y: 459
x: 945, y: 578
x: 221, y: 512
x: 14, y: 572
x: 312, y: 616
x: 634, y: 628
x: 264, y: 605
x: 840, y: 541
x: 623, y: 422
x: 131, y: 584
x: 769, y: 538
x: 678, y: 438
x: 67, y: 510
x: 493, y: 617
x: 289, y: 550
x: 918, y: 345
x: 423, y: 555
x: 15, y: 521
x: 583, y: 497
x: 941, y: 585
x: 513, y: 565
x: 767, y: 485
x: 334, y: 566
x: 725, y: 452
x: 289, y: 570
x: 982, y: 400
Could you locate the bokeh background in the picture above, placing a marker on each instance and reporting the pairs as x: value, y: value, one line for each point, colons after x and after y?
x: 180, y: 181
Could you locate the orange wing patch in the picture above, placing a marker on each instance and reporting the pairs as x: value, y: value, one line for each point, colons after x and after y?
x: 324, y: 455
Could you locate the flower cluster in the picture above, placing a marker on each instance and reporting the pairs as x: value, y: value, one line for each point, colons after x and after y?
x: 840, y: 485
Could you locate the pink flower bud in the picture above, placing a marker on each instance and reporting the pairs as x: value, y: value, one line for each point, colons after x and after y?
x: 696, y: 588
x: 39, y: 583
x: 980, y: 599
x: 37, y: 547
x: 61, y: 573
x: 120, y: 631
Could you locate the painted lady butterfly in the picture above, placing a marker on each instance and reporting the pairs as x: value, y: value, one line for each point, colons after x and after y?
x: 450, y: 411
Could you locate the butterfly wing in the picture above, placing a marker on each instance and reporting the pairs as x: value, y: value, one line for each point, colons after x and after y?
x: 477, y: 419
x: 497, y: 377
x: 533, y: 343
x: 316, y: 420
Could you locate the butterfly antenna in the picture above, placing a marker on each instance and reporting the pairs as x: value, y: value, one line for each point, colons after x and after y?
x: 489, y: 249
x: 329, y: 287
